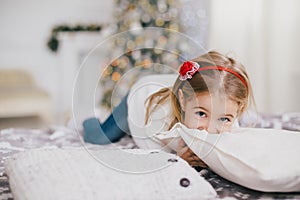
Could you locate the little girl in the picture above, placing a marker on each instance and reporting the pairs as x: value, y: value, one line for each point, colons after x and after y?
x: 211, y: 92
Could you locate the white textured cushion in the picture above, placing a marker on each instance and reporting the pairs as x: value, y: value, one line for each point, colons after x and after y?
x: 261, y: 159
x: 63, y: 174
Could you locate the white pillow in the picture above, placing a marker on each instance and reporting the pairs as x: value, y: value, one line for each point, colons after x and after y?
x: 63, y: 174
x: 261, y: 159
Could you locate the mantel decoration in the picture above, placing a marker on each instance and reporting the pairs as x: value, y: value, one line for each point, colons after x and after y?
x: 53, y: 42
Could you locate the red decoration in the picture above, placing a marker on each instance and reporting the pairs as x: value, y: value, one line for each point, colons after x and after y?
x: 188, y: 69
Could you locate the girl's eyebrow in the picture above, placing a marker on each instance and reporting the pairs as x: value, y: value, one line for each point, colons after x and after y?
x: 229, y: 115
x: 201, y: 108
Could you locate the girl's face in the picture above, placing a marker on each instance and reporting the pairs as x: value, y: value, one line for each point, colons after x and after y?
x: 209, y: 112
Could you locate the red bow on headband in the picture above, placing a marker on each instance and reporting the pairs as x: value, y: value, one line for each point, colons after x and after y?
x: 188, y: 69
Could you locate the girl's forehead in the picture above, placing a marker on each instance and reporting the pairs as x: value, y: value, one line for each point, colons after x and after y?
x: 208, y: 97
x: 213, y: 102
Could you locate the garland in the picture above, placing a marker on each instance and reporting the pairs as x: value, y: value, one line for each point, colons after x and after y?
x: 53, y: 42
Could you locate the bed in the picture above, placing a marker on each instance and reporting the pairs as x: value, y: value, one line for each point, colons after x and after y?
x: 13, y: 141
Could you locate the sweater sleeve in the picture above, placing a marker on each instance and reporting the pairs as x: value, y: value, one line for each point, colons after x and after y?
x: 159, y: 119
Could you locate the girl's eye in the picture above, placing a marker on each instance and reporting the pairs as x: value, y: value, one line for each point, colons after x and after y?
x: 201, y: 114
x: 224, y: 119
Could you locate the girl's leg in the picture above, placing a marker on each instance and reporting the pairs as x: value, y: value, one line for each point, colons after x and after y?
x: 114, y: 127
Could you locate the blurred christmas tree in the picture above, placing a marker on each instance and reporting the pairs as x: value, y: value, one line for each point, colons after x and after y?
x: 140, y: 14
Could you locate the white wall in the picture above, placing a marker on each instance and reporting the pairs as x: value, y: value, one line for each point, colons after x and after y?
x: 264, y: 35
x: 26, y: 26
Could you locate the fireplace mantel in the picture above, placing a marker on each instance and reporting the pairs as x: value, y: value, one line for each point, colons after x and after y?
x: 73, y: 50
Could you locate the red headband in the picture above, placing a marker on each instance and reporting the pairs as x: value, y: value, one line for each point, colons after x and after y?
x: 189, y: 68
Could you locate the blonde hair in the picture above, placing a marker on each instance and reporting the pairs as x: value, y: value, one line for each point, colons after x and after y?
x: 206, y: 81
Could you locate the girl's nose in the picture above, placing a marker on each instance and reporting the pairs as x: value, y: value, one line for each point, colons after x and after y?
x: 203, y: 126
x: 209, y: 127
x: 212, y: 128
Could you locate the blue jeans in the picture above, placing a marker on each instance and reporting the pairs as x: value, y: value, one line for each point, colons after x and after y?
x: 113, y: 129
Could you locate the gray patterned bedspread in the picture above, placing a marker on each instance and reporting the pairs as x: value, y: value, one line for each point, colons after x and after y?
x: 16, y: 140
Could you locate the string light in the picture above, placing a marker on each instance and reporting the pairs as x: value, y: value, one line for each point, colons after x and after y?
x: 115, y: 76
